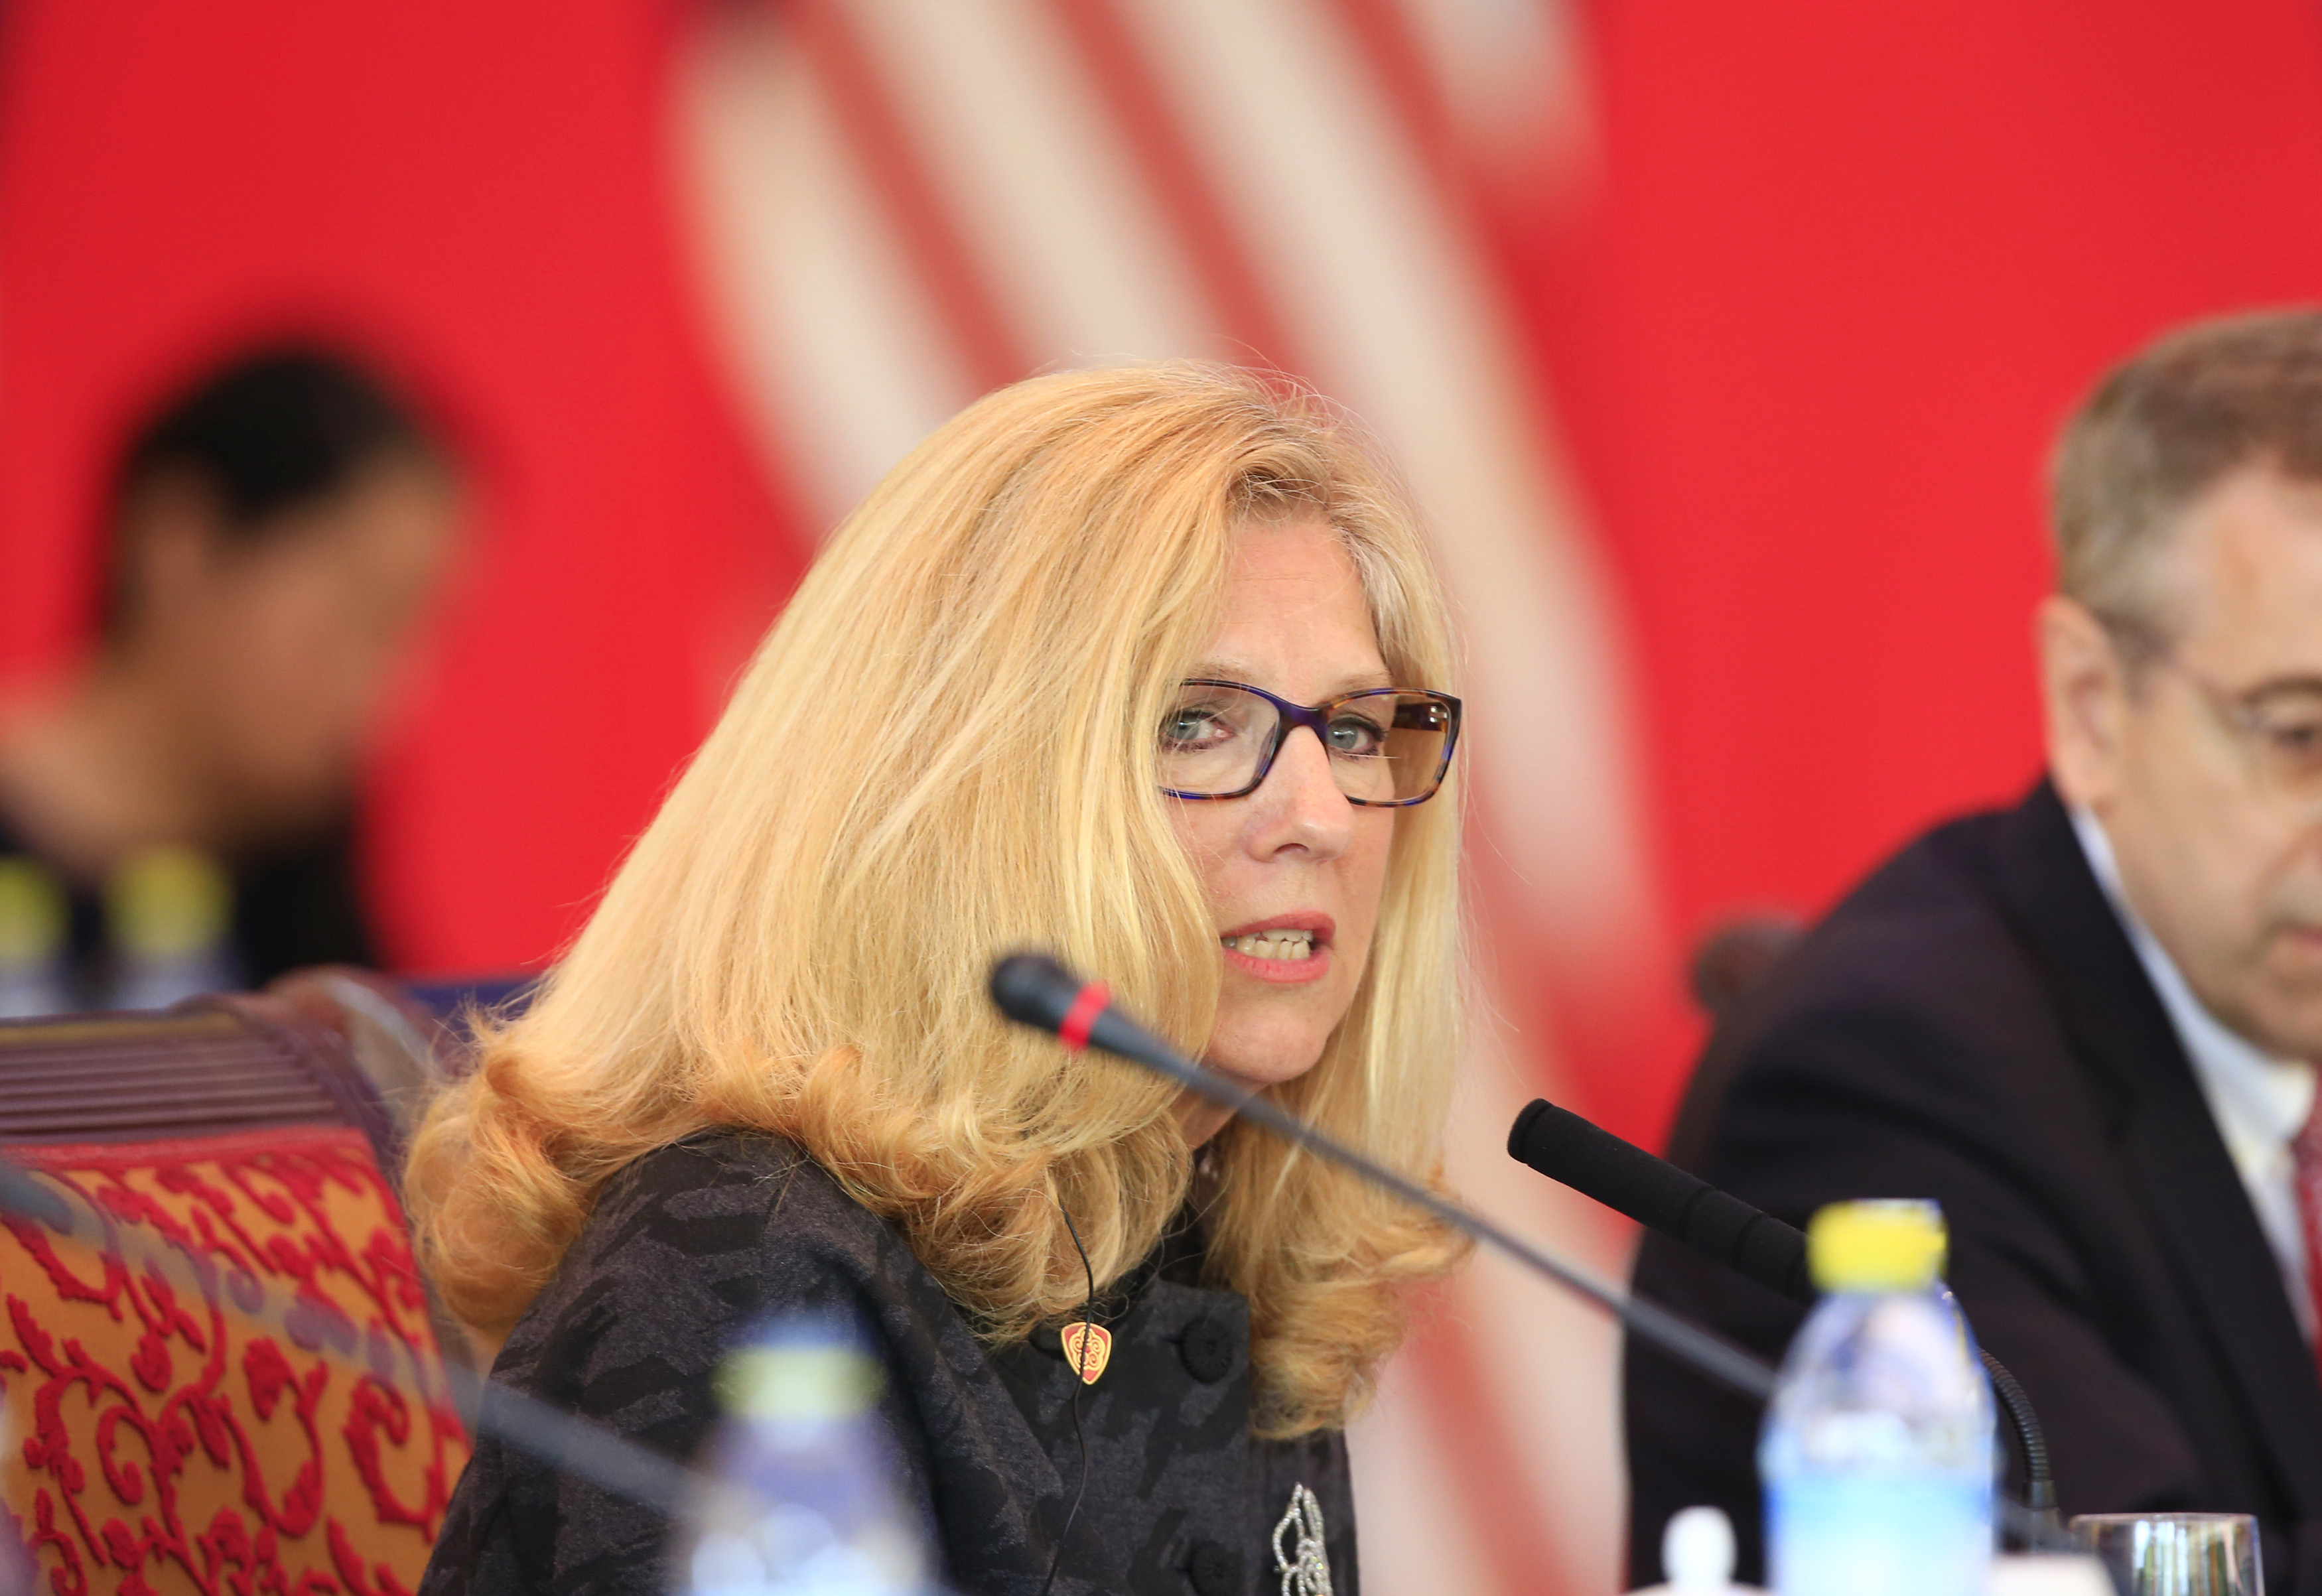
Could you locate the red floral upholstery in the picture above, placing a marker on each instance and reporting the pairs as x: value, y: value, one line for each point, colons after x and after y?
x: 242, y: 1394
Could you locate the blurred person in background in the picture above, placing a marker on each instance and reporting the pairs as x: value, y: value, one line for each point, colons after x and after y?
x: 177, y: 816
x: 2087, y: 1026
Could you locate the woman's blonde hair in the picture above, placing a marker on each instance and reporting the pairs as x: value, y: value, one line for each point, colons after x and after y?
x: 945, y: 749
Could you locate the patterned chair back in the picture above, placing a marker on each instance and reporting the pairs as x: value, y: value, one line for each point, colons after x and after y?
x: 242, y: 1390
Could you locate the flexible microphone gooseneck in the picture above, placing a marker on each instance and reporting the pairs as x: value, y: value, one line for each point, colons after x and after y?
x: 1035, y: 991
x: 1661, y: 1197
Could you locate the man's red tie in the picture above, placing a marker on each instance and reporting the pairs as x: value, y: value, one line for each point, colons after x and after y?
x: 2307, y: 1148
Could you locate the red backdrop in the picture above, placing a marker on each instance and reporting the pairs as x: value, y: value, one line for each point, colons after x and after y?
x: 1837, y: 273
x: 1846, y: 267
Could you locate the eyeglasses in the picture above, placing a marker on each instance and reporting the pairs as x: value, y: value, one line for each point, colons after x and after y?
x: 1389, y: 747
x: 2278, y: 725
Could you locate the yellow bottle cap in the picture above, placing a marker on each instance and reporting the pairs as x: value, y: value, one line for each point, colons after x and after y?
x: 808, y: 1383
x: 1891, y: 1246
x: 168, y: 903
x: 31, y: 913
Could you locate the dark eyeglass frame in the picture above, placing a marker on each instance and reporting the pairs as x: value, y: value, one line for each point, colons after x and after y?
x: 1316, y: 718
x: 2235, y: 710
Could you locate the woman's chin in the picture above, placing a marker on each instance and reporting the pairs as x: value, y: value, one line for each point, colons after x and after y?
x: 1255, y: 1063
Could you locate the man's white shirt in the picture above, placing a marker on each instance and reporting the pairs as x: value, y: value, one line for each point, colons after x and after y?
x: 2259, y: 1102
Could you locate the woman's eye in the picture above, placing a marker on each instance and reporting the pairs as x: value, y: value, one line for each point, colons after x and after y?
x: 1351, y: 733
x: 1189, y: 728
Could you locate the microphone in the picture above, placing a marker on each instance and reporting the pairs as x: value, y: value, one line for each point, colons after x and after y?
x: 1660, y: 1196
x: 1676, y: 1203
x: 1035, y: 991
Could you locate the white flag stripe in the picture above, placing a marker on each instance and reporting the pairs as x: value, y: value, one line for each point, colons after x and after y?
x: 1412, y: 1538
x: 1507, y: 72
x: 1051, y: 202
x: 1551, y: 1358
x: 840, y: 356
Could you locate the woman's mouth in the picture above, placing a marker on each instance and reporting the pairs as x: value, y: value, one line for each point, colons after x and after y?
x: 1292, y: 949
x: 1275, y: 944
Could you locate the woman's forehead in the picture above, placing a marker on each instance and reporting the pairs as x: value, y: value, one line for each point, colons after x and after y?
x: 1294, y: 616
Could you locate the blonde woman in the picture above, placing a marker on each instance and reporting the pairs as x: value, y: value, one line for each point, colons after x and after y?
x: 1145, y: 666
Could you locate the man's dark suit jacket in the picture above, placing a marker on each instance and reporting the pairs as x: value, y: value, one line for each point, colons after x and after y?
x: 1971, y: 1025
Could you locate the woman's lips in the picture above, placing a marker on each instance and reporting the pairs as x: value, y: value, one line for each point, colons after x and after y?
x: 1286, y: 972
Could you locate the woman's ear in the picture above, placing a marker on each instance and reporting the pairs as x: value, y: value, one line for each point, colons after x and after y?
x: 2084, y: 692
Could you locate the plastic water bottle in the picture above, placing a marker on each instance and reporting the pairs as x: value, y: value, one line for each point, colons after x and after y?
x: 803, y: 1501
x: 1878, y: 1451
x: 33, y: 924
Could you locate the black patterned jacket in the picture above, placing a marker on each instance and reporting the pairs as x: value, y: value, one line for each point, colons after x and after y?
x: 693, y: 1245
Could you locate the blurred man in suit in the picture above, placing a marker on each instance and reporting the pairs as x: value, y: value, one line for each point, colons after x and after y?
x: 2087, y: 1025
x: 273, y: 532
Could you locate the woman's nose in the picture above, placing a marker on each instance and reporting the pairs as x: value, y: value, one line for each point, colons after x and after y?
x: 1299, y: 804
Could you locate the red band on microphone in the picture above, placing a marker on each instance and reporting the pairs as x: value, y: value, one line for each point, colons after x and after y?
x: 1073, y: 1030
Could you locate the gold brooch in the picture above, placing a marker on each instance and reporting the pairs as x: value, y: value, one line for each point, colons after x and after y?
x: 1088, y: 1348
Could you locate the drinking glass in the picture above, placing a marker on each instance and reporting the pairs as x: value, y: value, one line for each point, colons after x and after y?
x: 2175, y: 1553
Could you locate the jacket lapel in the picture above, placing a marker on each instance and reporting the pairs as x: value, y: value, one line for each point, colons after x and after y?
x: 2168, y: 1139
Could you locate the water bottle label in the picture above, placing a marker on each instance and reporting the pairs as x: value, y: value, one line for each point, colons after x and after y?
x: 1840, y: 1535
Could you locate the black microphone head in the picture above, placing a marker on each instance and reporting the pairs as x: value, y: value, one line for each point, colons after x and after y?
x: 1034, y: 990
x: 1519, y: 1133
x: 1660, y: 1196
x: 1594, y: 1163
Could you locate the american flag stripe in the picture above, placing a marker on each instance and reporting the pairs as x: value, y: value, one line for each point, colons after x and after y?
x: 923, y: 215
x: 1243, y: 309
x: 836, y: 356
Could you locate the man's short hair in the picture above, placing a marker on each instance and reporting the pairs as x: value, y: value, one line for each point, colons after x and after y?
x: 2162, y: 429
x: 276, y: 429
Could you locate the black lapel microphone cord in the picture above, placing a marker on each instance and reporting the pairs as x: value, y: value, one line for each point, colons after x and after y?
x: 1088, y: 1327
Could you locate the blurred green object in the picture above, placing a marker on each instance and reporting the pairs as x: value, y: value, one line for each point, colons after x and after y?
x: 800, y: 1381
x: 31, y: 913
x: 169, y: 904
x: 35, y: 929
